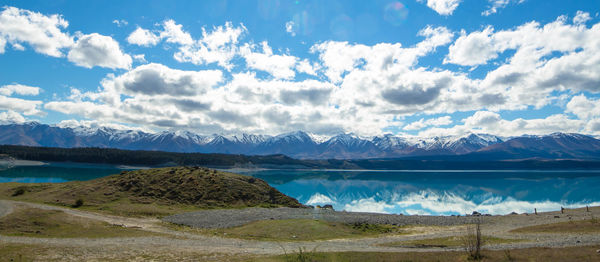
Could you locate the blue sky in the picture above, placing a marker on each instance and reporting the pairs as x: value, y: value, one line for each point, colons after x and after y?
x: 414, y: 67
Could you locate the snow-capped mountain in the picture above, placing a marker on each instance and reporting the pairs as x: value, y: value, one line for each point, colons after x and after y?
x: 303, y: 145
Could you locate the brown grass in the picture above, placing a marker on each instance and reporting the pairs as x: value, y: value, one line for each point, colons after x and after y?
x: 575, y: 254
x: 587, y: 226
x: 33, y: 222
x: 297, y: 230
x: 154, y: 192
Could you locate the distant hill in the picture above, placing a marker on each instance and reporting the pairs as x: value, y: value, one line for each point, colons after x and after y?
x: 473, y: 161
x: 302, y: 145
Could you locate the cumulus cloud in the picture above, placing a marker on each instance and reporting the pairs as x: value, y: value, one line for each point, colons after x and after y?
x: 143, y: 37
x: 422, y: 123
x: 279, y: 66
x: 583, y: 107
x: 495, y: 5
x: 27, y: 107
x: 43, y: 33
x: 216, y: 46
x: 157, y: 79
x: 493, y: 123
x: 581, y: 18
x: 10, y: 117
x: 8, y: 90
x: 473, y: 49
x: 355, y: 87
x: 442, y: 7
x: 98, y: 50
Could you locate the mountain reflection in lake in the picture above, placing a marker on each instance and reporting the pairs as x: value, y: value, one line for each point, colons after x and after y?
x: 406, y: 192
x: 438, y: 192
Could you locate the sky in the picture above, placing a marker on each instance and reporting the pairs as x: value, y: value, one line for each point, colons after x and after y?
x: 412, y: 67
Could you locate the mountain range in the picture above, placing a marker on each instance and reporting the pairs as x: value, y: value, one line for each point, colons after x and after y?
x: 303, y: 145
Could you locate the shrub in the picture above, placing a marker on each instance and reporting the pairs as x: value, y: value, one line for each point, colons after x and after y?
x: 473, y: 242
x: 78, y: 203
x: 19, y: 191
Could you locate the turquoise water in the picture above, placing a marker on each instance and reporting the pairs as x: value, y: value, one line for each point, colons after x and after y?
x: 439, y: 192
x: 57, y: 172
x: 406, y: 192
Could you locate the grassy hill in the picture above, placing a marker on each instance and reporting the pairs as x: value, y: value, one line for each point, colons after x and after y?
x: 154, y: 192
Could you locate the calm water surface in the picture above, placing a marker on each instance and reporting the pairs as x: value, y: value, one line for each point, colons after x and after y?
x: 407, y: 192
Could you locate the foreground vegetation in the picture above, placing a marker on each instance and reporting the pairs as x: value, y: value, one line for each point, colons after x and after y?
x: 154, y: 192
x: 587, y: 226
x: 529, y: 254
x: 455, y: 241
x: 20, y: 252
x: 33, y: 222
x: 298, y: 230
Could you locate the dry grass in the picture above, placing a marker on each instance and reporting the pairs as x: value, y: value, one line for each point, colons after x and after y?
x: 455, y: 241
x: 154, y: 192
x: 33, y: 222
x: 21, y: 252
x: 575, y: 254
x: 588, y: 226
x: 297, y: 230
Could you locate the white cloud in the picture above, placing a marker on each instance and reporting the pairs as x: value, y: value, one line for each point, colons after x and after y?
x: 495, y: 5
x: 289, y: 27
x: 173, y: 33
x: 143, y: 37
x: 120, y: 23
x: 27, y: 107
x: 98, y: 50
x: 442, y: 7
x: 8, y: 90
x: 279, y: 66
x: 140, y: 58
x: 492, y: 123
x: 217, y: 46
x: 583, y: 107
x: 43, y: 33
x: 581, y: 18
x: 422, y: 123
x: 10, y: 117
x: 473, y: 49
x: 157, y: 79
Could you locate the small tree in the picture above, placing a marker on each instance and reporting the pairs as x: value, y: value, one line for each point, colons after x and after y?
x: 473, y: 241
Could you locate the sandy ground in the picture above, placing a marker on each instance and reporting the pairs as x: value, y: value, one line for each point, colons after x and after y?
x: 176, y: 241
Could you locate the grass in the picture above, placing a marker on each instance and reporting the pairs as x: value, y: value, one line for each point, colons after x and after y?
x: 299, y: 230
x: 38, y: 252
x: 33, y: 222
x: 582, y: 226
x: 153, y: 192
x: 587, y: 253
x: 455, y: 241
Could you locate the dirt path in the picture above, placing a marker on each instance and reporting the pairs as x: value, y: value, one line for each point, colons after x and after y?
x: 498, y: 226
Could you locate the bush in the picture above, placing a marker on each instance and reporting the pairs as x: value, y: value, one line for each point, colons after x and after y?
x: 78, y: 203
x: 19, y: 191
x: 473, y: 242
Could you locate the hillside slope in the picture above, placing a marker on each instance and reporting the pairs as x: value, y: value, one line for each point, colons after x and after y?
x: 151, y: 192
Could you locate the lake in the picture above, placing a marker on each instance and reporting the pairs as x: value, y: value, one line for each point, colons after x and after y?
x: 406, y: 192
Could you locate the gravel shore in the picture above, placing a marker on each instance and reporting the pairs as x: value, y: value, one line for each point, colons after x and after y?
x: 223, y: 218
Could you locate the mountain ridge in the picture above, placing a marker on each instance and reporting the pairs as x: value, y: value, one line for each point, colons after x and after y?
x: 303, y: 145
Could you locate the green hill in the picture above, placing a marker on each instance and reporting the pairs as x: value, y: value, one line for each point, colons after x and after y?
x: 155, y: 192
